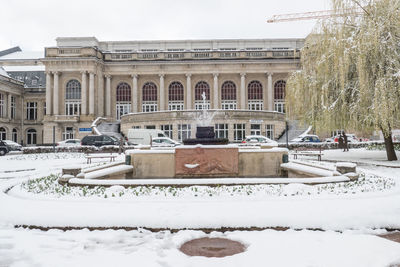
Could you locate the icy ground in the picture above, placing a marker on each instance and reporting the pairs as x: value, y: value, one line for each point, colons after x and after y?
x: 362, y: 210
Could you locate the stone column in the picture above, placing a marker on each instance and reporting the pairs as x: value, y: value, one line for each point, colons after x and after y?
x: 5, y: 108
x: 91, y: 93
x: 134, y: 93
x: 84, y: 94
x: 55, y: 94
x: 100, y: 95
x: 9, y: 106
x: 188, y: 91
x: 48, y: 94
x: 270, y: 92
x: 242, y: 90
x: 216, y: 90
x: 162, y: 92
x: 108, y: 95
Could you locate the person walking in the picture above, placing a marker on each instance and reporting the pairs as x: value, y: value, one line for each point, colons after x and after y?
x: 340, y: 141
x: 346, y: 144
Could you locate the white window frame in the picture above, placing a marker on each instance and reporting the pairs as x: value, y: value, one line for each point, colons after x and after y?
x: 72, y: 107
x: 69, y: 133
x: 31, y: 107
x: 255, y: 129
x: 122, y: 108
x: 256, y: 105
x: 221, y: 130
x: 279, y: 106
x: 168, y: 130
x: 13, y: 107
x: 149, y: 106
x: 175, y: 105
x: 184, y: 131
x: 3, y: 134
x: 198, y: 104
x: 229, y: 104
x: 269, y: 131
x: 239, y: 133
x: 32, y: 137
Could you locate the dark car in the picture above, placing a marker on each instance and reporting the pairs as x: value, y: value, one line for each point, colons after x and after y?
x: 3, y: 148
x: 99, y: 140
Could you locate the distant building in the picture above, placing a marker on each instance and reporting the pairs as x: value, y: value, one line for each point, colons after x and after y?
x: 157, y: 84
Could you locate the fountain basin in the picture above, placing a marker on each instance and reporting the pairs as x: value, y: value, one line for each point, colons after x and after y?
x: 207, y: 162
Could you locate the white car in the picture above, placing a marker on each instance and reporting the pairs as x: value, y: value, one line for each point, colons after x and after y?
x: 258, y: 140
x: 69, y: 142
x: 164, y: 142
x: 12, y: 146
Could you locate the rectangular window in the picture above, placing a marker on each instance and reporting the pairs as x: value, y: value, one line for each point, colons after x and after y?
x: 31, y: 110
x: 152, y: 127
x: 149, y: 106
x: 255, y: 129
x: 184, y: 131
x: 13, y: 107
x: 122, y: 109
x: 68, y: 133
x: 269, y: 131
x: 136, y: 127
x: 2, y: 105
x: 256, y: 105
x: 228, y: 104
x: 221, y: 130
x: 279, y: 106
x: 239, y: 131
x: 175, y: 105
x: 167, y: 129
x: 199, y: 104
x: 73, y: 108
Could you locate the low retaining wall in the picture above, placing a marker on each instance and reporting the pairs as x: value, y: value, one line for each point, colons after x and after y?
x: 207, y: 162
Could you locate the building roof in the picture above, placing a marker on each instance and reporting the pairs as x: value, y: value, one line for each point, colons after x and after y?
x: 27, y: 55
x: 3, y: 72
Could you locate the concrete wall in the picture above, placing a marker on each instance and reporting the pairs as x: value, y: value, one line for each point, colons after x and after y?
x: 261, y: 163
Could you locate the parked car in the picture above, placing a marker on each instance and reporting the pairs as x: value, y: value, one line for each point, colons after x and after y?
x: 3, y: 148
x: 99, y: 140
x: 258, y: 140
x: 13, y: 146
x: 309, y: 138
x: 164, y: 142
x: 69, y: 142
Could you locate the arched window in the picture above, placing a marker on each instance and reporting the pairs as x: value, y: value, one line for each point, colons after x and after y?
x: 31, y: 137
x: 3, y: 133
x: 228, y: 95
x: 15, y: 135
x: 200, y: 88
x: 255, y: 95
x: 279, y: 96
x: 73, y: 98
x: 123, y: 104
x: 175, y: 96
x: 149, y: 97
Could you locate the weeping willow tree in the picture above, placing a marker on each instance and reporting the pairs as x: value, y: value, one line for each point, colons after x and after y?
x: 350, y: 74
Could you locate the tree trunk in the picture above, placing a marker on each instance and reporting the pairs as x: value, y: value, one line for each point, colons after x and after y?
x: 390, y: 152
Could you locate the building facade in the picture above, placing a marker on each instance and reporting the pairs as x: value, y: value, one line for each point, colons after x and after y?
x: 165, y: 85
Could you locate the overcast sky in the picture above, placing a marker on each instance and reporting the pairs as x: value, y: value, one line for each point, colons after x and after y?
x: 35, y: 24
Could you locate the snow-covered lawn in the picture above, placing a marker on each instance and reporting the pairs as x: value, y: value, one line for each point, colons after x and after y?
x: 21, y: 247
x: 373, y: 202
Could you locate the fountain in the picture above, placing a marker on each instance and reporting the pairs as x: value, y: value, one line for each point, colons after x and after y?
x: 205, y: 134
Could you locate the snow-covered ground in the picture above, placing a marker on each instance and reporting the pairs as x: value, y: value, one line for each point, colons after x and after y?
x: 372, y: 203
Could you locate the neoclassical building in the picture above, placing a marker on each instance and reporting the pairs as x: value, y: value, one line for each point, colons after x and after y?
x: 160, y: 84
x: 166, y: 84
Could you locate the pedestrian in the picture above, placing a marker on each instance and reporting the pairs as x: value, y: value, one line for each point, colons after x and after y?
x: 121, y: 145
x: 340, y: 141
x: 346, y: 144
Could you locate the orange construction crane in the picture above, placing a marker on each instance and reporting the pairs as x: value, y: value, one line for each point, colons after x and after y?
x: 312, y: 15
